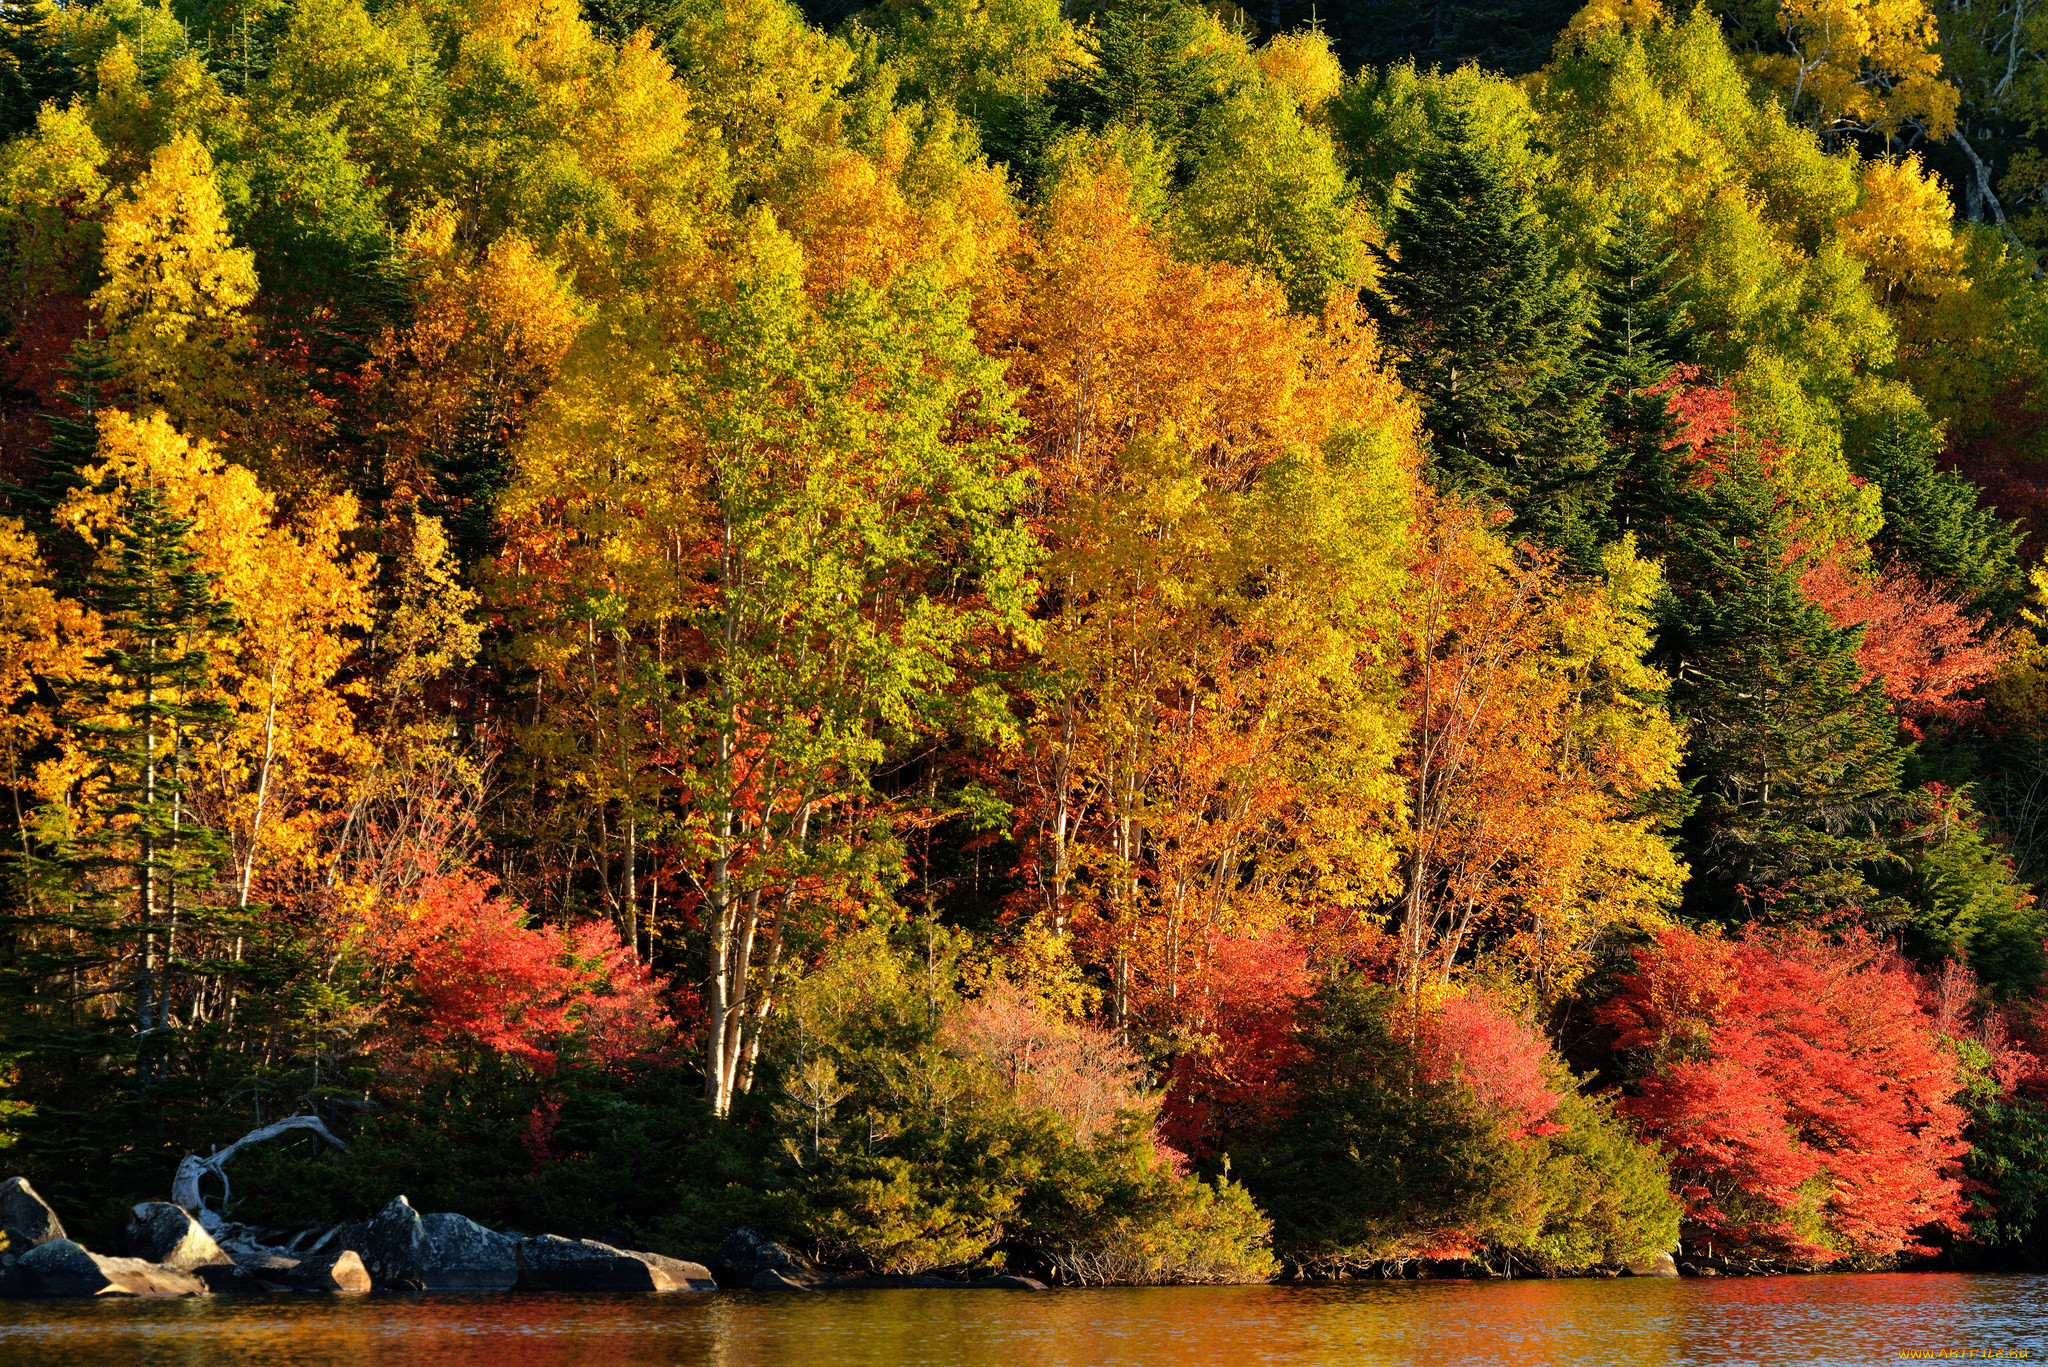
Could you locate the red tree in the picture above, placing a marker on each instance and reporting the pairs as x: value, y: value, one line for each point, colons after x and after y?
x: 1250, y: 993
x: 1930, y: 652
x: 485, y: 978
x: 1797, y: 1084
x: 1471, y: 1037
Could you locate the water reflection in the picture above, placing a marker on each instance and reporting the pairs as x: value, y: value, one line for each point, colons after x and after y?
x: 1840, y: 1319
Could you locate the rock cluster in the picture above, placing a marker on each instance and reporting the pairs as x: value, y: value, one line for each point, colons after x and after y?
x: 171, y: 1254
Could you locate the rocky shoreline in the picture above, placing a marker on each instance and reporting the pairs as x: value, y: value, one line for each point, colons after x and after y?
x: 167, y: 1252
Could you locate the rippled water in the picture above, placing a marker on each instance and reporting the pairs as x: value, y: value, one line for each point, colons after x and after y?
x: 1837, y: 1319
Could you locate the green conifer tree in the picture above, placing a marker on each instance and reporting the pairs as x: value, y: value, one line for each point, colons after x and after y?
x: 1146, y: 68
x: 1487, y: 330
x: 91, y: 380
x: 124, y: 872
x: 1966, y: 900
x: 36, y: 66
x: 1793, y: 755
x: 1641, y: 334
x: 1932, y: 518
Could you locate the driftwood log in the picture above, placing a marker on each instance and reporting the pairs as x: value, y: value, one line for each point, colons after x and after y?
x: 185, y: 1186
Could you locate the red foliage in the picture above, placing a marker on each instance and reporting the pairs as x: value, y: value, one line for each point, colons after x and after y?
x: 1706, y: 412
x: 1250, y: 994
x: 1474, y: 1039
x: 1930, y: 653
x: 1788, y: 1070
x: 487, y: 979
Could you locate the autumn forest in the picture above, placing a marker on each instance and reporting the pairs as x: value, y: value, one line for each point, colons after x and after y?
x: 1152, y: 641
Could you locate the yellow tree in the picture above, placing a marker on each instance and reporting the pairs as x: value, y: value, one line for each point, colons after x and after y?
x: 176, y: 292
x: 1540, y: 752
x: 1851, y: 66
x: 287, y: 754
x: 1224, y: 498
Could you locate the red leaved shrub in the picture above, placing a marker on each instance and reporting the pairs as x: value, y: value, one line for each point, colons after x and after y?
x: 1474, y: 1039
x: 1243, y: 1013
x: 1798, y: 1088
x: 485, y: 978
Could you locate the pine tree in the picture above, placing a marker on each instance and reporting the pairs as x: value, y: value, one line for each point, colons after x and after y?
x: 35, y: 65
x: 1793, y: 754
x: 1487, y: 331
x: 1932, y: 517
x: 91, y: 382
x: 1147, y: 68
x: 1967, y: 901
x: 468, y: 478
x: 125, y: 874
x: 1641, y: 334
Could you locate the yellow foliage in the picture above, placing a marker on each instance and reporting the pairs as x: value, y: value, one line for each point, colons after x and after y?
x: 1303, y: 65
x: 1902, y: 231
x: 41, y: 636
x: 175, y: 291
x: 301, y: 603
x: 1869, y: 65
x: 487, y: 338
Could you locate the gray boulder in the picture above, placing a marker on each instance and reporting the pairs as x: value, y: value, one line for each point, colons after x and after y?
x: 27, y: 1215
x: 776, y: 1279
x: 391, y: 1244
x: 551, y: 1263
x: 461, y: 1255
x: 336, y: 1269
x: 745, y: 1252
x: 440, y: 1252
x: 159, y: 1232
x: 269, y: 1267
x: 62, y: 1268
x: 1663, y: 1265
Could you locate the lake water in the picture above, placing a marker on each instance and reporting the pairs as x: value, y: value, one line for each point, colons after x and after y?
x: 1803, y: 1320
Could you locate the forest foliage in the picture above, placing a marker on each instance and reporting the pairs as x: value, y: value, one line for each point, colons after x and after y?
x: 1163, y: 637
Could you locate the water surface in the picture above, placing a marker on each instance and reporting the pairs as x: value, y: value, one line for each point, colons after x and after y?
x: 1827, y: 1319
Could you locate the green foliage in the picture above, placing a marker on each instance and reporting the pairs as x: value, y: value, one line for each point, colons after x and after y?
x: 1378, y: 1162
x: 1266, y: 191
x: 1792, y: 753
x: 1641, y: 333
x: 1486, y: 329
x: 1149, y: 64
x: 1965, y: 900
x: 911, y: 1149
x: 1933, y: 518
x: 2009, y: 1155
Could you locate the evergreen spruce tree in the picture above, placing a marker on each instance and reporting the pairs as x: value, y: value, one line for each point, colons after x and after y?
x: 90, y: 382
x: 1147, y: 68
x: 124, y: 879
x: 468, y: 478
x: 1487, y: 331
x: 1640, y: 335
x: 1965, y: 900
x: 1793, y: 756
x: 35, y: 65
x: 1932, y: 518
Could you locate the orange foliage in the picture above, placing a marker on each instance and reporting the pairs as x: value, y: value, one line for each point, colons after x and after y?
x: 1931, y: 652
